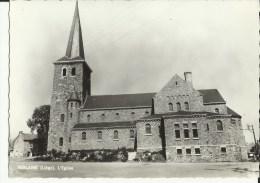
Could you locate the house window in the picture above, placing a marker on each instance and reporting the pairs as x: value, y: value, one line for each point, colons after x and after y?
x: 186, y: 131
x: 64, y: 72
x: 62, y: 117
x: 61, y: 141
x: 69, y: 139
x: 115, y: 135
x: 177, y: 131
x: 99, y: 135
x: 73, y: 71
x: 217, y: 110
x: 83, y: 136
x: 219, y: 125
x: 179, y: 152
x: 197, y: 151
x: 195, y: 130
x: 223, y: 150
x: 117, y: 116
x: 186, y: 106
x: 71, y: 115
x: 178, y: 106
x: 146, y: 112
x: 207, y: 127
x: 176, y: 83
x: 188, y: 151
x: 71, y: 104
x: 132, y: 134
x: 170, y: 107
x: 148, y: 129
x: 88, y: 118
x: 103, y: 117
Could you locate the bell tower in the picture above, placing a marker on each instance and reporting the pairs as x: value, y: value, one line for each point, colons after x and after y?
x: 71, y: 84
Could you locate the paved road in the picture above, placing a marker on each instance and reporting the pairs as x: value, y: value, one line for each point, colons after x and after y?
x: 132, y: 169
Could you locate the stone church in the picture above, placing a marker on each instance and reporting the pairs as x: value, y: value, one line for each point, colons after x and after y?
x: 187, y: 124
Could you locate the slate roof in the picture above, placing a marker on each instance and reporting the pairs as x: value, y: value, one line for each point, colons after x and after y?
x: 233, y: 113
x: 211, y: 96
x: 119, y: 101
x: 27, y: 136
x: 105, y: 124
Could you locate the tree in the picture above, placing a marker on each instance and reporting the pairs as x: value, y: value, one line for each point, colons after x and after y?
x: 39, y: 122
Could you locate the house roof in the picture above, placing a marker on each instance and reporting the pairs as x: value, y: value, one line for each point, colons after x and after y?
x: 119, y: 101
x: 233, y: 113
x: 105, y: 124
x: 211, y: 96
x: 27, y: 136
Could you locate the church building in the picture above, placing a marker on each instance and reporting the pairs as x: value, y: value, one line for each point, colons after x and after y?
x: 187, y: 124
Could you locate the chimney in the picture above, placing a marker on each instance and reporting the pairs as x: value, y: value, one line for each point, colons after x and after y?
x: 188, y: 77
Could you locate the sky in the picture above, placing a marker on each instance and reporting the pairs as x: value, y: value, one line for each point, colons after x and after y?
x: 137, y: 47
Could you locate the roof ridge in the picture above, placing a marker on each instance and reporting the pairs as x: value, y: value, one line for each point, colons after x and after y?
x: 123, y: 94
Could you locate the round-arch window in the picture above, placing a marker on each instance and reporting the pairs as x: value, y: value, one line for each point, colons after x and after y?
x: 64, y: 72
x: 84, y: 136
x: 170, y: 107
x: 115, y: 134
x: 148, y: 129
x: 219, y: 125
x: 61, y: 141
x: 217, y: 110
x: 178, y: 106
x: 73, y: 71
x: 186, y: 105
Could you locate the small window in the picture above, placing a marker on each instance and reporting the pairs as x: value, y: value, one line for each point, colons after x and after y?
x: 217, y: 110
x: 62, y: 117
x: 186, y: 131
x: 132, y: 114
x: 71, y: 115
x: 197, y: 151
x: 207, y: 127
x: 73, y: 71
x: 223, y: 150
x: 178, y: 106
x: 132, y: 134
x: 219, y: 125
x: 115, y: 135
x: 188, y: 151
x: 69, y: 139
x: 88, y: 118
x: 103, y: 117
x: 195, y: 130
x: 179, y: 152
x: 71, y: 104
x: 61, y: 141
x: 170, y: 107
x: 176, y: 83
x: 148, y: 129
x: 64, y: 72
x: 146, y: 112
x: 84, y: 136
x: 117, y: 116
x: 99, y: 135
x: 177, y: 131
x: 186, y: 106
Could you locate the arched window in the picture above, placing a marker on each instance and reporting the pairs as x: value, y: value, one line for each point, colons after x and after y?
x: 71, y: 104
x: 178, y: 106
x: 69, y: 139
x: 64, y: 72
x: 219, y: 125
x: 186, y: 106
x: 73, y: 71
x: 207, y: 127
x: 99, y: 135
x: 148, y: 129
x: 61, y: 141
x: 62, y: 117
x: 117, y: 116
x: 103, y: 117
x: 217, y: 110
x: 115, y: 134
x: 88, y: 118
x: 170, y: 107
x: 84, y: 136
x: 132, y: 134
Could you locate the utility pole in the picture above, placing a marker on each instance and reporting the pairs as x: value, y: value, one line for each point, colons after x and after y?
x: 251, y: 129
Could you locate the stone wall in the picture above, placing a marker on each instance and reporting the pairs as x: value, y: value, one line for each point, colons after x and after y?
x: 211, y: 108
x: 107, y: 142
x: 209, y: 141
x: 110, y: 115
x: 177, y: 90
x: 150, y: 142
x: 62, y: 88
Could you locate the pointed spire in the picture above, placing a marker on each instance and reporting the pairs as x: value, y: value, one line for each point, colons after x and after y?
x: 75, y: 45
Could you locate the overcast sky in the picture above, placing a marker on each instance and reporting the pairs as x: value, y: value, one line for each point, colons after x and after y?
x: 137, y: 46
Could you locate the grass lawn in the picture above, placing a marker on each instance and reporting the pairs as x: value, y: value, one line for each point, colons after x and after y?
x: 21, y: 168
